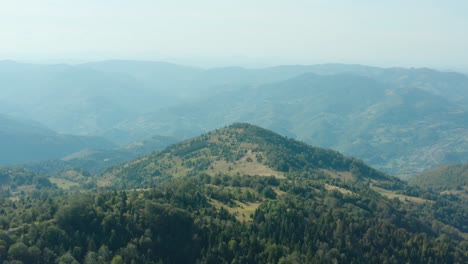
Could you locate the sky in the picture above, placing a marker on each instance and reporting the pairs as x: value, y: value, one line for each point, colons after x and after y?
x: 408, y: 33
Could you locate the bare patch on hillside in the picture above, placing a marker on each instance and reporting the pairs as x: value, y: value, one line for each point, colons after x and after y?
x: 336, y: 188
x: 279, y: 192
x: 248, y: 165
x: 460, y: 193
x: 63, y: 183
x: 105, y: 182
x: 403, y: 198
x: 241, y: 211
x: 241, y: 168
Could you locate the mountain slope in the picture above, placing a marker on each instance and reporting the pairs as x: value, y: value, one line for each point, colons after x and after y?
x: 240, y: 152
x: 71, y: 99
x: 368, y: 112
x: 399, y: 130
x: 95, y: 160
x: 449, y: 179
x: 25, y: 141
x: 240, y: 194
x: 237, y: 150
x: 452, y: 86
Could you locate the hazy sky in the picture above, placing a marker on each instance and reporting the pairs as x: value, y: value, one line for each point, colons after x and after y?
x: 431, y: 33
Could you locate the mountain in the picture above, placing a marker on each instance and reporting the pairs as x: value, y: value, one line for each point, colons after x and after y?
x: 17, y: 180
x: 447, y: 179
x: 240, y: 149
x: 152, y: 75
x: 71, y: 99
x: 239, y: 194
x: 26, y: 141
x: 452, y: 86
x: 357, y: 115
x: 368, y: 112
x: 93, y: 161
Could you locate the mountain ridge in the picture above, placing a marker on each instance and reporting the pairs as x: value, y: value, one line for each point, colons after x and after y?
x: 173, y: 100
x: 25, y: 141
x: 238, y: 149
x: 445, y: 179
x: 325, y: 110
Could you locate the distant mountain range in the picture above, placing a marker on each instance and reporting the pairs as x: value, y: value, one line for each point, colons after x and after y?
x: 25, y: 141
x: 95, y: 160
x: 402, y: 130
x: 399, y: 120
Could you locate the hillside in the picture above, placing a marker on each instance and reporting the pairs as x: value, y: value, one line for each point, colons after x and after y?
x: 15, y: 180
x: 239, y: 194
x: 452, y: 86
x: 25, y: 141
x: 357, y: 115
x: 70, y: 99
x: 93, y: 161
x: 240, y: 149
x: 447, y: 179
x: 366, y: 112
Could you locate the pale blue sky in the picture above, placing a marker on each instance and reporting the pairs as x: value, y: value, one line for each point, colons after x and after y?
x: 431, y: 33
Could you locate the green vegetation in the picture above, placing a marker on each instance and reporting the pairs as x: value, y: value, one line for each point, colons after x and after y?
x: 202, y: 201
x: 25, y: 141
x: 14, y: 181
x: 446, y: 179
x: 94, y: 161
x: 236, y: 150
x: 395, y: 128
x: 63, y: 183
x: 401, y: 121
x: 197, y: 220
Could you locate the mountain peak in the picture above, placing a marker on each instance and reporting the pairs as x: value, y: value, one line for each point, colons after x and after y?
x: 241, y: 149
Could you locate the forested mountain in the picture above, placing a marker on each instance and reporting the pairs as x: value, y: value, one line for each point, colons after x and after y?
x: 24, y: 141
x: 357, y: 115
x: 363, y: 111
x: 240, y: 194
x: 448, y: 179
x: 16, y: 180
x: 93, y: 161
x: 236, y: 150
x: 449, y: 85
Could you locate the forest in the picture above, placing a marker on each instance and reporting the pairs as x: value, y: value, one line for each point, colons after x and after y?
x: 302, y: 214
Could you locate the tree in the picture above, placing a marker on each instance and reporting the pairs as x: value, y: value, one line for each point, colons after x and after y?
x: 67, y: 258
x: 18, y: 251
x: 117, y: 260
x: 268, y: 192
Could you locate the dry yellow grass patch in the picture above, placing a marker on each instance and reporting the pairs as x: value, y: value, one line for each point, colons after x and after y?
x: 242, y: 211
x: 341, y: 190
x: 63, y: 183
x: 279, y: 192
x: 401, y: 197
x: 106, y: 181
x: 242, y: 167
x: 248, y: 164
